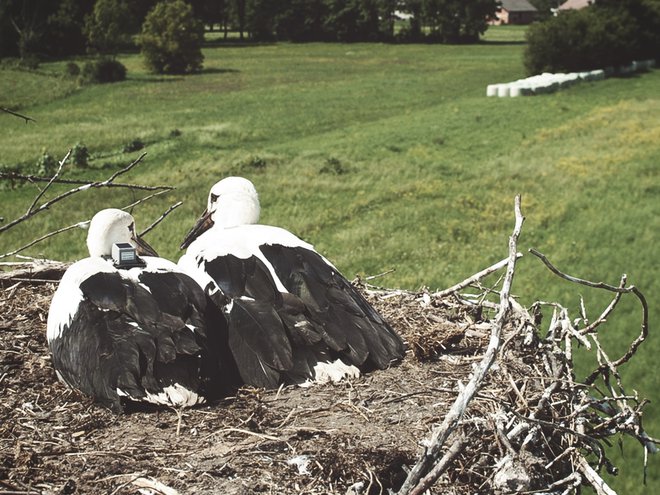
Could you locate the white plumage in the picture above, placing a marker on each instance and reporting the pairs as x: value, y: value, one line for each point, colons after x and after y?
x: 290, y: 313
x: 128, y: 334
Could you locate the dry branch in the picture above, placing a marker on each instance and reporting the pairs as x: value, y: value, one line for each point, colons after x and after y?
x: 160, y: 218
x: 451, y: 420
x: 16, y: 114
x: 34, y: 209
x: 13, y: 176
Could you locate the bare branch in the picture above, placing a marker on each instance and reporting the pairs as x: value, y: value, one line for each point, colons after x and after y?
x: 161, y: 218
x: 43, y: 238
x: 44, y: 206
x: 442, y: 465
x: 85, y: 223
x: 619, y: 290
x: 50, y: 182
x: 37, y: 178
x: 477, y: 276
x: 451, y: 420
x: 24, y: 117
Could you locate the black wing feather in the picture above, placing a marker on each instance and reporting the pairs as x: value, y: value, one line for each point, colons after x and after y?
x: 126, y: 337
x: 336, y: 305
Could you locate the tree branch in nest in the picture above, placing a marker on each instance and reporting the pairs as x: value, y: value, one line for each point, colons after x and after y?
x: 422, y: 469
x: 619, y: 290
x: 474, y: 278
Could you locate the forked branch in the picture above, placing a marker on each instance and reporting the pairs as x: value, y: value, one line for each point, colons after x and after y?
x: 423, y: 473
x: 35, y: 209
x: 612, y: 288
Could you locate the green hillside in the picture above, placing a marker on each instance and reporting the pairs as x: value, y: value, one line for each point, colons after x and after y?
x: 382, y: 156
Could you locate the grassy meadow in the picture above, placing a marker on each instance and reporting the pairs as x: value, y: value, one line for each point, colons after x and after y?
x: 384, y: 157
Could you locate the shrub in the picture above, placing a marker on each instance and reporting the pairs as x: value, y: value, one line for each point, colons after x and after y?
x: 608, y: 34
x: 103, y: 70
x: 134, y: 145
x: 171, y: 39
x: 72, y: 69
x: 46, y: 165
x: 109, y: 27
x: 80, y: 155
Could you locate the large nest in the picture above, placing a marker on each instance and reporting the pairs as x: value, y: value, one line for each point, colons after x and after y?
x: 528, y: 426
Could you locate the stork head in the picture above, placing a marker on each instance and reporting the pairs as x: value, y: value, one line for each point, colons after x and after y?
x: 232, y: 201
x: 112, y: 226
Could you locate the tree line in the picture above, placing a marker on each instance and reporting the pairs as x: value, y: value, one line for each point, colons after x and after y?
x: 57, y: 28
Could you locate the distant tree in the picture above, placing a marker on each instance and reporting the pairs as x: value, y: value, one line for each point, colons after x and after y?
x: 386, y: 9
x: 109, y: 27
x: 31, y: 28
x: 646, y: 17
x: 260, y: 17
x: 581, y: 40
x: 171, y: 39
x: 301, y: 20
x: 458, y: 21
x: 352, y: 20
x: 413, y: 32
x: 28, y: 20
x: 239, y: 10
x: 545, y: 7
x: 64, y: 28
x: 8, y: 35
x: 211, y: 12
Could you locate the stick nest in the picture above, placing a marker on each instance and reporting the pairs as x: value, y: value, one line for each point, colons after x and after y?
x: 530, y: 426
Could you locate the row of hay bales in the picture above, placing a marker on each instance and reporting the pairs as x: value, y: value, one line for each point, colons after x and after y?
x: 549, y: 82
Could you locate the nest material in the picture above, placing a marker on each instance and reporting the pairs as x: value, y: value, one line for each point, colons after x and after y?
x: 530, y: 426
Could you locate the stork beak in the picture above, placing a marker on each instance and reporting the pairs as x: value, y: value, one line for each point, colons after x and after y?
x: 142, y: 248
x: 204, y: 223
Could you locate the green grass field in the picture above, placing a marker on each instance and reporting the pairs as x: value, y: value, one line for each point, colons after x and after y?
x: 384, y: 157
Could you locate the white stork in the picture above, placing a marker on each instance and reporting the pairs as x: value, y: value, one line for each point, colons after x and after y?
x: 128, y: 333
x: 292, y: 317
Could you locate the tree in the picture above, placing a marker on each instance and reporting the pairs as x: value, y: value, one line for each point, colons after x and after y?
x: 581, y: 40
x: 110, y: 27
x: 171, y: 39
x: 301, y: 20
x: 260, y: 17
x: 458, y: 21
x: 545, y: 7
x: 239, y: 11
x: 64, y: 28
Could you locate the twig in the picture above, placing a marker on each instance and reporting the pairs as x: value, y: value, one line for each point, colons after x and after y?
x: 50, y: 182
x: 621, y: 290
x: 161, y: 218
x: 42, y: 238
x: 442, y: 465
x: 477, y: 276
x: 24, y: 117
x: 594, y: 479
x: 450, y: 422
x: 85, y: 223
x: 37, y: 178
x: 44, y: 206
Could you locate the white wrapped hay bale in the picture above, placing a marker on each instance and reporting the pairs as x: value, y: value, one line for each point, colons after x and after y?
x: 503, y: 90
x: 491, y: 89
